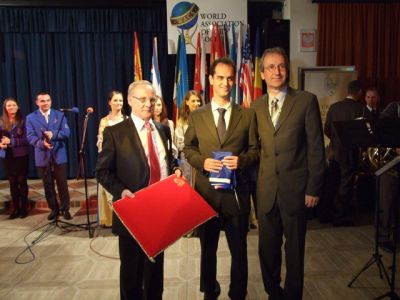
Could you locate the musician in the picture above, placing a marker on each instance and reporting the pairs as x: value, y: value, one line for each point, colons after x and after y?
x: 372, y: 100
x: 47, y: 130
x: 342, y: 160
x: 389, y: 189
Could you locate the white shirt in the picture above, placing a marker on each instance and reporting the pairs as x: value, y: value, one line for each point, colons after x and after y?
x: 227, y: 116
x: 157, y: 141
x: 46, y: 115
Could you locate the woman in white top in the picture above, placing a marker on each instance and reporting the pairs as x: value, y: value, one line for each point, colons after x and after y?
x: 160, y: 115
x: 191, y: 102
x: 115, y: 101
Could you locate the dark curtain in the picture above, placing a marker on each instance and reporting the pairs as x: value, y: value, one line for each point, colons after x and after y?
x: 364, y: 35
x: 78, y: 56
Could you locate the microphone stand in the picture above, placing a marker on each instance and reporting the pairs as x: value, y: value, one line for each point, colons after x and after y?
x: 82, y: 170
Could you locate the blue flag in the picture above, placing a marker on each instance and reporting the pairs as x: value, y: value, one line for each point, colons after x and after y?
x: 182, y: 80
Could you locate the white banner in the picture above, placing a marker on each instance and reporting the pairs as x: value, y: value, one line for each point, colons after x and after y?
x: 198, y: 16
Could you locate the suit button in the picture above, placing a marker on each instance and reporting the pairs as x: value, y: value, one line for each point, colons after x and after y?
x: 277, y: 154
x: 277, y: 172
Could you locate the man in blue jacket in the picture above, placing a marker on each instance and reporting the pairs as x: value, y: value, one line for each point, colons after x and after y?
x: 47, y: 130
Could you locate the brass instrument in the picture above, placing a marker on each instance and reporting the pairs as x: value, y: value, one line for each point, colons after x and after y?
x: 378, y: 157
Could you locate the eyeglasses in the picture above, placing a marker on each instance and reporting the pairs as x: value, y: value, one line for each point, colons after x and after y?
x: 273, y: 68
x: 144, y: 99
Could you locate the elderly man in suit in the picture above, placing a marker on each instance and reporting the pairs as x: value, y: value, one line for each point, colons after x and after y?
x: 136, y: 153
x: 46, y: 130
x: 223, y: 126
x: 290, y: 176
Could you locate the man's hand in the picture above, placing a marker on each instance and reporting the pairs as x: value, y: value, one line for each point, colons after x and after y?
x: 311, y: 201
x: 127, y: 193
x: 5, y: 140
x: 231, y: 162
x: 178, y: 172
x: 48, y: 134
x: 212, y: 165
x: 47, y: 145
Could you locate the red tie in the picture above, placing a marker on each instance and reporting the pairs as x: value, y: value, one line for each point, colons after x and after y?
x: 155, y: 172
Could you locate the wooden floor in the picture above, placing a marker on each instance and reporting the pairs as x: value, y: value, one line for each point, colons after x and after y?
x: 70, y: 265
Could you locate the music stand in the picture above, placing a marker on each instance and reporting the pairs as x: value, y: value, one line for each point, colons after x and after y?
x: 372, y: 133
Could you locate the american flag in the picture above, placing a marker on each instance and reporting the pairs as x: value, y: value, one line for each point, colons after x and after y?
x: 246, y: 77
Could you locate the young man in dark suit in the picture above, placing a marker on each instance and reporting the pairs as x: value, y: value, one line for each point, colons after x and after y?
x: 125, y: 165
x: 290, y: 176
x: 223, y: 126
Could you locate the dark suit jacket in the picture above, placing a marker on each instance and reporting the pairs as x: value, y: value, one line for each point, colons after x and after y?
x: 292, y: 154
x: 201, y: 139
x: 347, y: 109
x: 122, y: 163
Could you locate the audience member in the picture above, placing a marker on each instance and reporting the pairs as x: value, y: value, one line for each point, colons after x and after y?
x: 14, y: 149
x: 191, y: 102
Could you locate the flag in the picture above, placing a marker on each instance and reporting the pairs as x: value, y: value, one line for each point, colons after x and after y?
x: 200, y: 66
x: 233, y: 56
x: 155, y: 71
x: 216, y: 49
x: 257, y: 75
x: 138, y: 65
x: 238, y: 91
x: 246, y: 76
x: 181, y: 74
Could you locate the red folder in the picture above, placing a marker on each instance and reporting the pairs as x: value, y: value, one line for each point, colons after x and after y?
x: 161, y: 213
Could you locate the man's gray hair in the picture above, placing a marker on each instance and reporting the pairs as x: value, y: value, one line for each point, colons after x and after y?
x: 135, y: 84
x: 275, y: 50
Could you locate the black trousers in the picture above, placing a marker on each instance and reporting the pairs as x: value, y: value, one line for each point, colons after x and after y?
x: 16, y: 170
x: 236, y: 234
x: 140, y: 279
x: 59, y: 174
x: 343, y: 201
x: 272, y: 227
x: 389, y: 193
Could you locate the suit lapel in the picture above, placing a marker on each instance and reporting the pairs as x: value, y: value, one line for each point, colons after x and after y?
x: 236, y: 115
x: 265, y: 112
x: 286, y: 109
x: 208, y: 121
x: 136, y: 142
x: 41, y: 119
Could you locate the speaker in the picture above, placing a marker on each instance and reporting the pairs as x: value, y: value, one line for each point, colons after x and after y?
x: 276, y: 33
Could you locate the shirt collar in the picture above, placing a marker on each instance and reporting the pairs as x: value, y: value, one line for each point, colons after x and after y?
x: 280, y: 96
x: 215, y: 106
x: 139, y: 123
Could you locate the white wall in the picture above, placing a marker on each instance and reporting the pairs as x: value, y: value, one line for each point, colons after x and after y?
x: 302, y: 15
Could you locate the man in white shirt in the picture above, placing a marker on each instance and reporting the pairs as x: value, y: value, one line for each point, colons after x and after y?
x: 223, y: 126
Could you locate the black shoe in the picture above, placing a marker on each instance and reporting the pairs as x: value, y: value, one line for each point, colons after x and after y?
x: 67, y: 215
x: 14, y: 214
x: 213, y: 296
x: 387, y: 246
x: 23, y: 213
x: 53, y: 215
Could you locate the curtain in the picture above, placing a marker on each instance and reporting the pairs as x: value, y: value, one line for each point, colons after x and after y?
x: 364, y: 35
x: 78, y: 56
